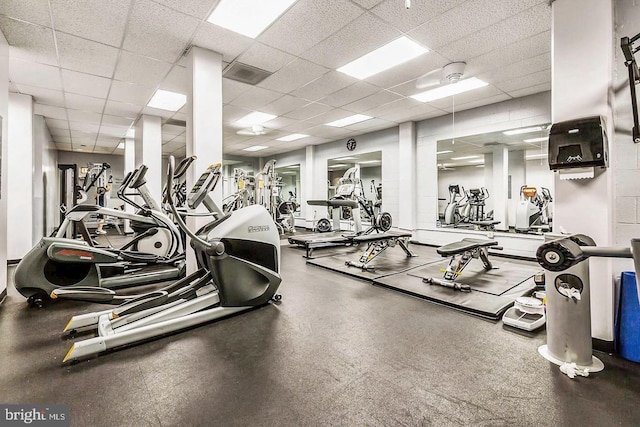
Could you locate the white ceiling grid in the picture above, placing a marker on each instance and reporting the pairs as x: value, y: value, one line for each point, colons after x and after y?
x: 92, y: 66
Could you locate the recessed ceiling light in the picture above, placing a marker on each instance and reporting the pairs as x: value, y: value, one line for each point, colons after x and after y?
x: 120, y: 146
x: 449, y: 90
x: 287, y: 173
x: 167, y: 100
x: 339, y: 165
x: 444, y: 152
x: 248, y: 17
x: 537, y: 139
x: 536, y: 156
x: 293, y: 137
x: 479, y: 166
x: 366, y: 162
x: 346, y: 158
x: 388, y: 56
x: 356, y: 118
x: 523, y: 130
x: 255, y: 118
x: 256, y: 148
x: 465, y: 158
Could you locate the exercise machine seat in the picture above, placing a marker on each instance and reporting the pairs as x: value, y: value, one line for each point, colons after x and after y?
x: 464, y: 245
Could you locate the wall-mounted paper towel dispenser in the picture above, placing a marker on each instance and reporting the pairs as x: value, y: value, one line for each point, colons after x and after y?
x: 578, y: 143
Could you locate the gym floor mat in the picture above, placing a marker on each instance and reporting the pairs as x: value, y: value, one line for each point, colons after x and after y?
x: 391, y: 261
x: 492, y: 291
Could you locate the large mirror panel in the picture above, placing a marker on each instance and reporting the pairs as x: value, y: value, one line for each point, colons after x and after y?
x: 289, y: 185
x: 468, y: 194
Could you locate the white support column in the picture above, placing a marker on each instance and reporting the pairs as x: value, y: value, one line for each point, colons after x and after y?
x: 204, y: 123
x: 581, y: 75
x: 407, y: 192
x: 4, y: 144
x: 500, y: 186
x: 308, y: 180
x: 19, y: 176
x: 148, y: 151
x: 129, y: 166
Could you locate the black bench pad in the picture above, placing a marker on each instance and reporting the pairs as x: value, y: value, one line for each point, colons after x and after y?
x: 464, y: 245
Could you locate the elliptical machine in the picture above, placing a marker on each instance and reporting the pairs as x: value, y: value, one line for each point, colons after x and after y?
x: 239, y: 263
x: 477, y: 198
x: 457, y: 209
x: 532, y: 212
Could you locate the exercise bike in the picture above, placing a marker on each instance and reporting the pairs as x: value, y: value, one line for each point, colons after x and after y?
x: 155, y: 254
x: 239, y: 263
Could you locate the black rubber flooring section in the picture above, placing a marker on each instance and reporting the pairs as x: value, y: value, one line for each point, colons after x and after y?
x: 336, y: 351
x: 391, y: 261
x: 492, y: 293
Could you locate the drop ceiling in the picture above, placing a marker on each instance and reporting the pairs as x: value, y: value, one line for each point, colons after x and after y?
x: 93, y: 65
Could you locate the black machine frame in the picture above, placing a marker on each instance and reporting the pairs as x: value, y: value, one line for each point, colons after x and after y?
x: 629, y: 51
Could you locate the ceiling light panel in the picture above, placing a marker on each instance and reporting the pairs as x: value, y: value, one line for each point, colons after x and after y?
x: 256, y: 148
x: 544, y: 138
x: 167, y: 100
x: 464, y: 158
x: 388, y: 56
x: 255, y: 118
x: 523, y: 130
x: 248, y: 17
x: 356, y: 118
x: 293, y: 137
x: 450, y: 90
x: 444, y: 152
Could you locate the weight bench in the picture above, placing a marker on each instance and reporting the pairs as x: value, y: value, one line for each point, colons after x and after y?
x: 488, y: 225
x: 378, y: 243
x: 468, y: 249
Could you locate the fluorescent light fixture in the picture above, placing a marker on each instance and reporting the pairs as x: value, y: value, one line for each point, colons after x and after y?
x: 339, y: 165
x: 444, y: 152
x: 167, y: 100
x: 255, y: 118
x: 479, y: 166
x: 523, y: 130
x: 256, y: 148
x: 346, y: 158
x: 536, y: 156
x: 120, y: 146
x: 477, y: 161
x: 293, y: 137
x: 537, y: 139
x: 368, y: 162
x: 450, y: 90
x: 388, y: 56
x: 287, y: 173
x: 248, y: 17
x: 464, y: 158
x: 293, y: 167
x: 356, y: 118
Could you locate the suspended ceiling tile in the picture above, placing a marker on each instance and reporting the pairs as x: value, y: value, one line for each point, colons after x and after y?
x: 324, y: 85
x: 522, y: 68
x: 284, y: 105
x: 309, y: 110
x: 392, y: 107
x: 130, y: 93
x: 544, y: 87
x: 466, y: 97
x: 156, y: 31
x: 172, y: 146
x: 165, y: 114
x: 43, y: 96
x: 85, y: 135
x: 307, y: 23
x: 279, y: 123
x: 114, y: 131
x: 255, y: 98
x: 56, y: 133
x: 396, y: 14
x: 63, y: 146
x: 221, y: 40
x: 29, y: 42
x: 514, y: 52
x: 86, y: 56
x: 84, y: 128
x: 84, y: 116
x: 265, y: 57
x: 480, y: 102
x: 231, y: 89
x: 350, y: 94
x: 55, y: 123
x: 354, y: 40
x: 196, y: 8
x: 62, y: 138
x: 180, y: 138
x: 122, y: 109
x: 85, y: 84
x: 299, y: 127
x: 410, y: 70
x: 330, y: 116
x: 34, y: 11
x: 173, y: 130
x: 372, y: 101
x: 407, y: 89
x: 476, y: 15
x: 232, y: 113
x: 368, y: 4
x: 293, y: 76
x: 330, y: 132
x: 180, y: 116
x: 177, y: 80
x: 531, y: 22
x: 133, y: 68
x: 34, y: 74
x: 50, y: 111
x: 116, y: 120
x: 411, y: 114
x: 107, y: 141
x: 521, y: 82
x: 97, y: 20
x: 86, y: 103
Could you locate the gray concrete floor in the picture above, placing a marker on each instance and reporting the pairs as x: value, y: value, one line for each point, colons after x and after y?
x: 336, y: 351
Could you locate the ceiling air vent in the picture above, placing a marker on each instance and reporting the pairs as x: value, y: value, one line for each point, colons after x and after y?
x: 245, y: 73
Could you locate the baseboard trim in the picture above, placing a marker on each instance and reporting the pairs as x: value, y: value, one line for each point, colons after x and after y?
x: 604, y: 346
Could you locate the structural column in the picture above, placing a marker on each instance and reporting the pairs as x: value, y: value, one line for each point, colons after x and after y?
x: 4, y: 109
x: 18, y: 176
x: 581, y: 67
x: 500, y: 187
x: 204, y: 123
x: 148, y: 152
x: 129, y: 166
x: 407, y: 193
x: 308, y: 179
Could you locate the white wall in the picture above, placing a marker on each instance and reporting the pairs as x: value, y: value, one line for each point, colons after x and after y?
x: 45, y: 181
x: 4, y: 108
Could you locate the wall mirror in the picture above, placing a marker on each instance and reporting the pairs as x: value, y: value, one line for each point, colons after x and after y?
x: 289, y: 177
x: 469, y: 166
